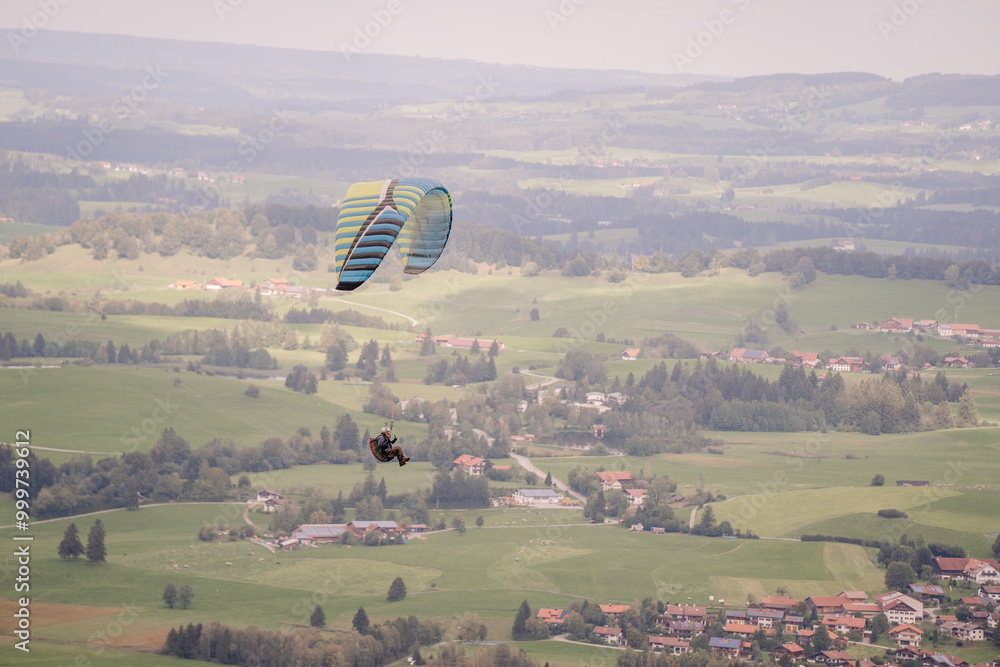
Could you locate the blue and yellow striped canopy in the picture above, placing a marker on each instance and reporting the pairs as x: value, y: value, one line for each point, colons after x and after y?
x: 416, y: 212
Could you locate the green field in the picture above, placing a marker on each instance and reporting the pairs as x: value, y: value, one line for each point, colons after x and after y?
x: 488, y: 570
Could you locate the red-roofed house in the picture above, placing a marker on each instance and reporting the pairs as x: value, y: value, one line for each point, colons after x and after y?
x: 956, y: 362
x: 827, y: 604
x: 900, y: 609
x: 977, y: 570
x: 610, y: 635
x: 742, y: 630
x: 843, y: 624
x: 221, y: 283
x: 778, y: 603
x: 991, y: 592
x: 635, y: 496
x: 671, y: 645
x: 906, y: 635
x: 792, y: 650
x: 614, y: 479
x: 810, y: 359
x: 614, y: 610
x: 630, y: 354
x: 897, y: 325
x: 472, y: 465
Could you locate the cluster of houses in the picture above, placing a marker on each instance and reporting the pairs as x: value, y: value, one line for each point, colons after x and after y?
x: 310, y: 534
x: 270, y: 287
x: 176, y: 172
x: 846, y: 617
x: 983, y: 337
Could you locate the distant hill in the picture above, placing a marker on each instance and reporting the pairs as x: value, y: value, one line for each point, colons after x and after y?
x: 234, y: 76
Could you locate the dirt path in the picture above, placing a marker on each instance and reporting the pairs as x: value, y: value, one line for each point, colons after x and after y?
x: 384, y: 310
x: 117, y: 509
x: 694, y: 512
x: 527, y: 465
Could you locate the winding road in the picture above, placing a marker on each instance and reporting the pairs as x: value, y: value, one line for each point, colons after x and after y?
x: 527, y: 465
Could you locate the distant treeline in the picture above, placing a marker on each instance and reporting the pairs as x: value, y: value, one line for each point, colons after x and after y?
x: 348, y: 317
x: 374, y: 645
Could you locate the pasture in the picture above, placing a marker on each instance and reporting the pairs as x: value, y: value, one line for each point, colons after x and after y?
x: 487, y: 570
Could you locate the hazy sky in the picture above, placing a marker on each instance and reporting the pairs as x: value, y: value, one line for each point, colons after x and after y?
x: 895, y: 38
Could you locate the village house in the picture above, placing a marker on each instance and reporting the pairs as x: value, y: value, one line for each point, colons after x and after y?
x: 926, y: 592
x: 925, y: 325
x: 630, y: 354
x: 777, y: 603
x: 672, y: 645
x: 865, y: 326
x: 854, y: 596
x: 835, y: 658
x: 843, y: 624
x: 848, y: 365
x: 273, y: 286
x: 792, y: 650
x: 965, y: 631
x: 722, y: 645
x: 614, y: 479
x: 614, y: 610
x: 264, y: 494
x: 810, y: 359
x: 965, y: 330
x: 865, y: 609
x: 842, y: 246
x: 609, y: 634
x: 896, y: 325
x: 553, y: 617
x: 741, y: 630
x: 794, y: 623
x: 890, y: 363
x: 906, y: 635
x: 309, y: 534
x: 988, y: 342
x: 765, y: 619
x: 528, y: 496
x: 472, y: 465
x: 742, y: 355
x: 973, y: 569
x: 362, y: 528
x: 900, y: 609
x: 272, y: 504
x: 685, y: 629
x: 685, y: 612
x: 222, y: 283
x: 635, y: 496
x: 826, y: 604
x: 184, y: 284
x: 990, y: 592
x: 956, y: 362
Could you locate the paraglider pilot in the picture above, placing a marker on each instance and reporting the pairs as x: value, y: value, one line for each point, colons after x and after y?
x: 384, y: 446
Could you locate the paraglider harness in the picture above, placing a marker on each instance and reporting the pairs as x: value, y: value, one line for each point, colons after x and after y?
x: 380, y: 445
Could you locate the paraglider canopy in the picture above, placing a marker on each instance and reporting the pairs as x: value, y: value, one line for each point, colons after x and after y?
x: 416, y: 212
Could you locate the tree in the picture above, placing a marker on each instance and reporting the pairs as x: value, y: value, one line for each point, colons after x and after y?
x: 480, y: 521
x: 397, y: 590
x: 184, y: 596
x: 548, y: 478
x: 880, y: 626
x: 318, y: 618
x: 534, y: 315
x: 458, y: 523
x: 253, y: 391
x: 360, y: 621
x: 898, y: 576
x: 821, y: 639
x: 996, y: 547
x: 878, y: 480
x: 519, y: 630
x: 96, y: 551
x: 70, y: 548
x: 170, y: 595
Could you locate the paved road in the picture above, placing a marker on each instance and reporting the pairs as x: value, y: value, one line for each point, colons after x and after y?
x: 526, y: 464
